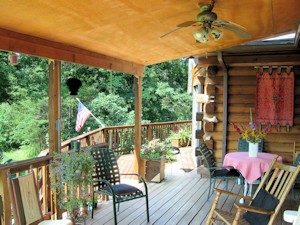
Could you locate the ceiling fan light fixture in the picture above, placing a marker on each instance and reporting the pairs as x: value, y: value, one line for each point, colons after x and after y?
x: 216, y: 33
x: 201, y: 35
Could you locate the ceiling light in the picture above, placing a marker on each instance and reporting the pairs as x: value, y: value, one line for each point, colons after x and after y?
x: 201, y: 35
x: 217, y: 34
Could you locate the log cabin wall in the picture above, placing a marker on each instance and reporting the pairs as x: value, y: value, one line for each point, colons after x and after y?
x: 241, y: 70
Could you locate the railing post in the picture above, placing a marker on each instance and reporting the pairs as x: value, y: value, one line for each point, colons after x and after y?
x: 110, y: 139
x: 4, y: 199
x: 149, y: 132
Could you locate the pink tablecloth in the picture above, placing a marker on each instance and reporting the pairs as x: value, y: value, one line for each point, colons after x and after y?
x: 250, y: 168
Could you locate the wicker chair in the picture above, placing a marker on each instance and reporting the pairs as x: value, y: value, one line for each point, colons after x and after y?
x: 215, y: 172
x: 264, y: 204
x: 25, y: 201
x: 106, y: 181
x: 243, y: 145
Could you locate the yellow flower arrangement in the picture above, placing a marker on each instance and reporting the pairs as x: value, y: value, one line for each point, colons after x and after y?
x: 252, y: 136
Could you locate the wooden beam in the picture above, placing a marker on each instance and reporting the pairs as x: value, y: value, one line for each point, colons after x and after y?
x: 54, y: 106
x: 263, y: 60
x: 138, y: 165
x: 225, y: 104
x: 21, y: 43
x: 54, y: 115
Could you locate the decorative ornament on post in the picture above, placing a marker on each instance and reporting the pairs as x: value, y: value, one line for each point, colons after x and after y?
x: 74, y: 84
x: 13, y: 59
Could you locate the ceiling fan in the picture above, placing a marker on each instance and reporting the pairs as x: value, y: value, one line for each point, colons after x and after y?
x: 207, y: 20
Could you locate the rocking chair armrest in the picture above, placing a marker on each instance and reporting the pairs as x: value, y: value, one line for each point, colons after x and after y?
x: 253, y: 209
x: 232, y: 194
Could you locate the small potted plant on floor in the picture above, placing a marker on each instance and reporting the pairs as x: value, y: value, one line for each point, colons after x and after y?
x: 154, y: 154
x: 180, y: 138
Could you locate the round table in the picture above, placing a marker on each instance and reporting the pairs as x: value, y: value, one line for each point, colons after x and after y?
x: 251, y: 168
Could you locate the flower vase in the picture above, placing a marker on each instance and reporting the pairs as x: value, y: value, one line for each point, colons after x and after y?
x: 253, y: 149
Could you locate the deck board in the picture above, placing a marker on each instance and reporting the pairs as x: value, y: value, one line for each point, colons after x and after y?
x: 179, y: 199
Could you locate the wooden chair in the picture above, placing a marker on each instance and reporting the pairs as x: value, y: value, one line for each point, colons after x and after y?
x: 106, y: 181
x: 215, y: 171
x: 266, y: 201
x: 243, y: 145
x: 25, y: 201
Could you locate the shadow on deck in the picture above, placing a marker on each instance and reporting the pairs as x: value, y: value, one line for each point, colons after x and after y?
x: 179, y: 199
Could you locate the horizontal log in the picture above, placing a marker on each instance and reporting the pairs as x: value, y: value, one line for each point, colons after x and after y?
x: 215, y: 80
x: 263, y: 60
x: 242, y: 81
x: 287, y: 147
x: 242, y: 90
x: 234, y: 99
x: 241, y: 71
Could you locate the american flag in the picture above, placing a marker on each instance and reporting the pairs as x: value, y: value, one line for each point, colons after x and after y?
x: 82, y: 115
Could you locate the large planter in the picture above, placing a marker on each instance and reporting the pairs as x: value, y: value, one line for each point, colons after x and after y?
x: 176, y: 142
x: 253, y: 150
x: 155, y: 169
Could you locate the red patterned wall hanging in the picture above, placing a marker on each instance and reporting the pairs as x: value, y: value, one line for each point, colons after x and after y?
x: 275, y: 98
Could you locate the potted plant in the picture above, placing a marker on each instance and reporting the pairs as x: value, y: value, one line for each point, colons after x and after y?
x: 180, y: 138
x: 72, y: 171
x: 154, y: 155
x: 253, y: 136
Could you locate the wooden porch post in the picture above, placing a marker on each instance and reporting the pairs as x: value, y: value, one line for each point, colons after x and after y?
x: 225, y: 104
x: 54, y: 116
x: 54, y: 106
x: 138, y: 165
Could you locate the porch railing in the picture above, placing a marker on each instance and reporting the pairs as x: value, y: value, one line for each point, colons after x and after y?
x: 122, y: 139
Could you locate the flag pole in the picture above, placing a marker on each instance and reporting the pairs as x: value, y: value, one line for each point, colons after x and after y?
x: 102, y: 125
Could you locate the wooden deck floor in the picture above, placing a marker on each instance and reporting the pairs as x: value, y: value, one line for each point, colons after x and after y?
x: 179, y: 199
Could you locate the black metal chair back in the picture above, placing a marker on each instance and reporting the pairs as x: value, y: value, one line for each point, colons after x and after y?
x: 215, y: 171
x: 243, y: 145
x: 105, y: 167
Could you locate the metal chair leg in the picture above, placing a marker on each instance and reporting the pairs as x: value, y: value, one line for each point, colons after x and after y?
x: 147, y: 208
x: 209, y: 189
x: 115, y: 210
x: 93, y: 194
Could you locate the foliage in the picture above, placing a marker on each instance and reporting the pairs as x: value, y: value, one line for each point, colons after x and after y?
x: 164, y: 92
x: 253, y: 135
x: 108, y: 94
x: 156, y: 149
x: 74, y: 171
x: 183, y: 135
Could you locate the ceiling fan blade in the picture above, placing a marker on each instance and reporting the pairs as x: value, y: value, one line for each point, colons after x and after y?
x: 179, y: 26
x: 227, y: 22
x: 242, y: 32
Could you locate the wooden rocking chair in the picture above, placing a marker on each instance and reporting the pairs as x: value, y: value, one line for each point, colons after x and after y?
x: 25, y: 201
x: 266, y: 201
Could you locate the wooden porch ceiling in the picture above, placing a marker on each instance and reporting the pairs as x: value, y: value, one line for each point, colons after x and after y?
x: 124, y: 35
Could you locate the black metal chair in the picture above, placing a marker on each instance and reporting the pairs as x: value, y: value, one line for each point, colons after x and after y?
x: 106, y: 181
x: 243, y: 145
x: 216, y: 172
